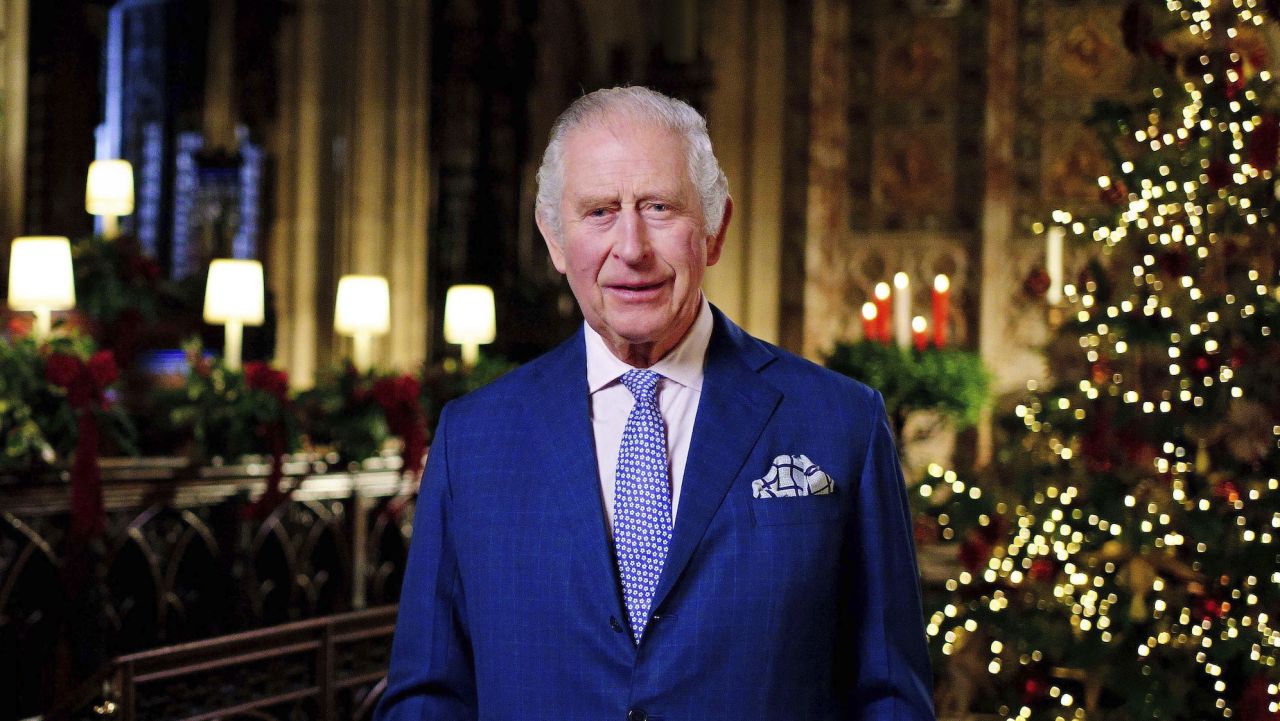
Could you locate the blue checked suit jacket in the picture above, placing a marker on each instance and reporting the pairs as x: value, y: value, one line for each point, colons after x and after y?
x: 782, y: 609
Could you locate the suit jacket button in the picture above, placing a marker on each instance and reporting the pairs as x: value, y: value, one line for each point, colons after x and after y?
x: 637, y: 714
x: 615, y: 624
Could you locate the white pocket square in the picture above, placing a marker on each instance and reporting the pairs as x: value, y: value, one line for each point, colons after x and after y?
x: 793, y: 476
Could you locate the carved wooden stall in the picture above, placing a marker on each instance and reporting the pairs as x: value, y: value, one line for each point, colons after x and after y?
x: 184, y: 559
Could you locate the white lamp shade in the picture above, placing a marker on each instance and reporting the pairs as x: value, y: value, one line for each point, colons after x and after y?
x: 40, y: 274
x: 109, y: 190
x: 363, y: 306
x: 468, y: 315
x: 234, y: 292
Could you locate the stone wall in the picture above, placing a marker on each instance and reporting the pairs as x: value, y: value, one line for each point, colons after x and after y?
x: 13, y: 117
x: 936, y: 144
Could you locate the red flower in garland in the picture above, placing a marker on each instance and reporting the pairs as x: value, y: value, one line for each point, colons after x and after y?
x: 102, y: 366
x: 398, y: 397
x: 86, y: 384
x: 61, y: 369
x: 399, y: 393
x: 263, y: 377
x: 143, y: 267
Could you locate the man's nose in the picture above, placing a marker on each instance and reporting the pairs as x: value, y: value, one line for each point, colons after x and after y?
x: 632, y: 244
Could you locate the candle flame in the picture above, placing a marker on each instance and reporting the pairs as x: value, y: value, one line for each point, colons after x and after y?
x: 918, y: 324
x: 941, y: 283
x: 900, y: 280
x: 882, y: 291
x: 869, y: 311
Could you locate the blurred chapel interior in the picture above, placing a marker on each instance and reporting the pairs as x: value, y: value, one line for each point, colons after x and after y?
x: 864, y: 141
x: 401, y: 139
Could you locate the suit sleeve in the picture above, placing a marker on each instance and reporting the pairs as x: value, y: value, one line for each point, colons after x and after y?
x: 432, y: 676
x: 882, y: 664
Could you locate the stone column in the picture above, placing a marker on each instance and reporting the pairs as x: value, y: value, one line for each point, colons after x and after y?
x: 362, y: 241
x: 13, y: 118
x: 407, y: 262
x: 387, y: 233
x: 220, y: 79
x: 827, y: 220
x: 362, y: 250
x: 301, y: 145
x: 745, y: 113
x: 729, y: 124
x: 998, y: 197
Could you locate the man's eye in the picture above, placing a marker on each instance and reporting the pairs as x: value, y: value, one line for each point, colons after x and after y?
x: 598, y: 213
x: 660, y: 207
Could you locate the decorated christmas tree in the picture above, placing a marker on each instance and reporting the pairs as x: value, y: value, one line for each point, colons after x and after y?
x: 1121, y: 558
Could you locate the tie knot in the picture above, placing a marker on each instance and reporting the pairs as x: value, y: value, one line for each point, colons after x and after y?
x: 643, y: 384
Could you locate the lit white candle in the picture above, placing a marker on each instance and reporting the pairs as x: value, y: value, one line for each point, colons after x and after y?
x: 1053, y: 262
x: 902, y: 310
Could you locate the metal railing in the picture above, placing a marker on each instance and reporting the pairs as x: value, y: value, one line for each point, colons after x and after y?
x: 181, y: 562
x: 328, y: 668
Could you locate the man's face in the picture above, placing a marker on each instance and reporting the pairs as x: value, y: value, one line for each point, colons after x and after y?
x: 632, y: 243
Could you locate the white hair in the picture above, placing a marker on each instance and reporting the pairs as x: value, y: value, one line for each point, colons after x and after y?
x: 646, y: 105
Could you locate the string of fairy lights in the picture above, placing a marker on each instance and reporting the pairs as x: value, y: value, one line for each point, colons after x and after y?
x: 1080, y: 550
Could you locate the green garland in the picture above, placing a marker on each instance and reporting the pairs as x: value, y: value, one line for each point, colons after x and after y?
x: 232, y: 413
x: 949, y: 381
x: 38, y: 427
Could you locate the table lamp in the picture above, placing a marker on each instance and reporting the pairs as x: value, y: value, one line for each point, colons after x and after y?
x: 109, y: 193
x: 41, y: 279
x: 233, y: 297
x: 469, y: 319
x: 363, y: 311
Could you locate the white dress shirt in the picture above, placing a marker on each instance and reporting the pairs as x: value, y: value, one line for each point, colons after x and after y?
x: 678, y: 393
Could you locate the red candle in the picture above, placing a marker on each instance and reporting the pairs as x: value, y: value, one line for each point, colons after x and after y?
x: 882, y: 312
x: 919, y: 332
x: 941, y: 307
x: 869, y: 323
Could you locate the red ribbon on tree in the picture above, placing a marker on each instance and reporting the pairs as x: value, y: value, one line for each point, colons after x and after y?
x: 398, y: 397
x: 85, y: 384
x: 261, y: 376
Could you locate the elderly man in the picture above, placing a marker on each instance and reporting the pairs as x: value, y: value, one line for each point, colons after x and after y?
x: 663, y: 518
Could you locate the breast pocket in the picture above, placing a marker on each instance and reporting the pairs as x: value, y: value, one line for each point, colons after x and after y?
x: 787, y: 511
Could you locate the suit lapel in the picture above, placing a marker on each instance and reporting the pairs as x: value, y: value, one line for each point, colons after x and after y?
x: 733, y: 411
x: 560, y: 404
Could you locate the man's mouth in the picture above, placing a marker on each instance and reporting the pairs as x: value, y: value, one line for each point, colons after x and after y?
x: 636, y: 291
x: 637, y: 286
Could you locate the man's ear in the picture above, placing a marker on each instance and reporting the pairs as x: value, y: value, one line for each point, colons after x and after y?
x: 715, y: 243
x: 553, y: 242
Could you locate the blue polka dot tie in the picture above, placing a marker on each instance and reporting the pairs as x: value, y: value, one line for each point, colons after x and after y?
x: 642, y: 499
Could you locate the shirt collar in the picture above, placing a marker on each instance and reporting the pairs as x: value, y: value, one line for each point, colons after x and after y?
x: 682, y: 364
